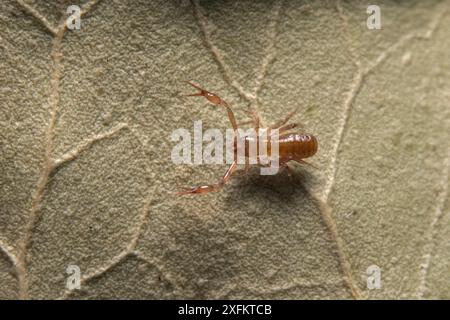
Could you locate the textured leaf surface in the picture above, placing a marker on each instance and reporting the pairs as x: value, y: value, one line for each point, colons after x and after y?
x: 85, y: 170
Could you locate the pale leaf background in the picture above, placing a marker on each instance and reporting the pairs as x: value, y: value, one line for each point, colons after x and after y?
x: 85, y: 170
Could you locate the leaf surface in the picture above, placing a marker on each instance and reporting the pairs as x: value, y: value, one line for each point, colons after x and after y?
x: 86, y: 176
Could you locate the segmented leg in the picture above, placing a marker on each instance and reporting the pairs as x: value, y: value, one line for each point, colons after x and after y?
x: 287, y: 127
x: 282, y: 122
x: 306, y: 163
x: 285, y: 166
x: 215, y: 99
x: 288, y: 170
x: 255, y: 120
x: 214, y: 187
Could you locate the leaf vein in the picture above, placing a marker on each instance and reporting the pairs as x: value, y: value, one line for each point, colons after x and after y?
x: 358, y: 81
x: 9, y: 252
x: 202, y: 23
x: 32, y: 11
x: 270, y: 52
x: 85, y: 145
x: 432, y: 230
x: 48, y: 165
x: 129, y: 250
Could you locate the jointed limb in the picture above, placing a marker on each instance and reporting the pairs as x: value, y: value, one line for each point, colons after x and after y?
x: 255, y: 120
x: 215, y: 99
x: 287, y: 127
x: 306, y: 163
x: 282, y: 122
x: 213, y: 187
